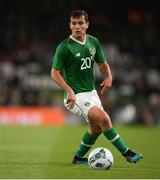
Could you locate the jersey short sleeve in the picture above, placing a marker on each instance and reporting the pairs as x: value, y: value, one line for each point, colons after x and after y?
x: 59, y: 58
x: 99, y: 56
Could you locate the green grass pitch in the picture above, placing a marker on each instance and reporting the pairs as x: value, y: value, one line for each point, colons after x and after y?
x: 46, y: 153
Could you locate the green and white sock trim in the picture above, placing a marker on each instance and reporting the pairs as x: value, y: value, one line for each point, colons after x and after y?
x: 113, y: 136
x: 86, y: 143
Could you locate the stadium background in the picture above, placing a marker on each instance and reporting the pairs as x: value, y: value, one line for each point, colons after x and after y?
x: 129, y: 33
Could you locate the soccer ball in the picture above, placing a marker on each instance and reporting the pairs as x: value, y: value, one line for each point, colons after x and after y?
x: 100, y: 158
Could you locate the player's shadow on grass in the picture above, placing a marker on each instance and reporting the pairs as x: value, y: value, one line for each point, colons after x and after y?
x: 27, y: 163
x: 37, y: 163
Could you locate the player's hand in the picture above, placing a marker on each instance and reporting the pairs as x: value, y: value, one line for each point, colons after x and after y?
x: 71, y: 99
x: 105, y: 85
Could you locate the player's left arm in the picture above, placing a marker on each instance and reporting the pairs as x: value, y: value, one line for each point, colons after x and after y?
x: 106, y: 72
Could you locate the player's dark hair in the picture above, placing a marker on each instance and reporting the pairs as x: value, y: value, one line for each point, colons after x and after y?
x: 79, y: 13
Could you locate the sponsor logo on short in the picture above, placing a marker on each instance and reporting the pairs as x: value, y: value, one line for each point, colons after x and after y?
x: 87, y: 103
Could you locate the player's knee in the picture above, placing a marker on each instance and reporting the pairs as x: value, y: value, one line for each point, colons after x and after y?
x: 104, y: 121
x: 94, y: 114
x: 101, y: 118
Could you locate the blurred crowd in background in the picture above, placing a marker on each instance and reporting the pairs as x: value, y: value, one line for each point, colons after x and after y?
x: 129, y: 34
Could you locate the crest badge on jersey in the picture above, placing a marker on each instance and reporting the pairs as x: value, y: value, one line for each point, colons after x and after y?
x: 92, y: 50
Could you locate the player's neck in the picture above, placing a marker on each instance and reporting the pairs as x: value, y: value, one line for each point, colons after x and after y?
x: 81, y: 39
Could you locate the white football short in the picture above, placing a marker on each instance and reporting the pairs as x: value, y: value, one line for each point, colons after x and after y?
x: 84, y: 102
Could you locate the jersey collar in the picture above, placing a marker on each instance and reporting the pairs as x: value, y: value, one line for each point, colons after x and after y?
x: 82, y: 43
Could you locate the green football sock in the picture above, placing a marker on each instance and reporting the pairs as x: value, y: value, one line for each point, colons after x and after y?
x: 86, y: 143
x: 113, y: 136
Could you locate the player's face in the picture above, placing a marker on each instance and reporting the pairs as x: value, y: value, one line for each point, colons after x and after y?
x: 78, y: 27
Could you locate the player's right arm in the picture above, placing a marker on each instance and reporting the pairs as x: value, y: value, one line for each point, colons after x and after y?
x: 57, y: 77
x: 58, y: 65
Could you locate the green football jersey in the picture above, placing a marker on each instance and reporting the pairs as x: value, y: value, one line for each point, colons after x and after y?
x: 75, y: 60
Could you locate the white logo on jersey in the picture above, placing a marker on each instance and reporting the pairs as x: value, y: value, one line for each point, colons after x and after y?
x: 77, y: 54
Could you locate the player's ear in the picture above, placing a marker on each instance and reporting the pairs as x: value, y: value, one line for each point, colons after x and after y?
x: 87, y: 24
x: 69, y: 25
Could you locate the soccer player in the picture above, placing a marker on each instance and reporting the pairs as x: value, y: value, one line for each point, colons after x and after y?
x: 72, y: 70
